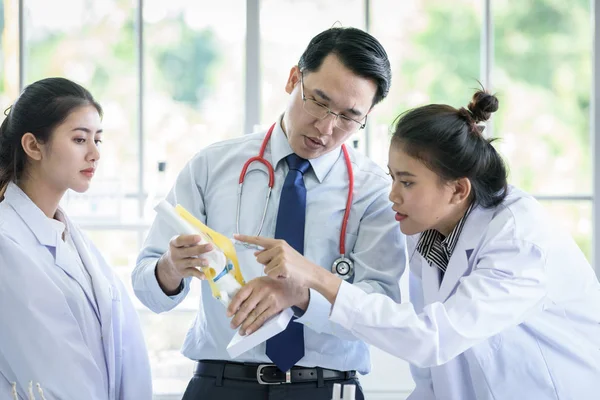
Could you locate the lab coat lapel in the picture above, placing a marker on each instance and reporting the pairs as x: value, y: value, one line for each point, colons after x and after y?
x: 65, y: 260
x: 460, y: 262
x: 100, y: 283
x: 104, y: 292
x: 431, y: 280
x: 429, y: 275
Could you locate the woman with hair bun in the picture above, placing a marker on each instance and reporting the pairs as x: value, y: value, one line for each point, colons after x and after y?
x: 504, y: 305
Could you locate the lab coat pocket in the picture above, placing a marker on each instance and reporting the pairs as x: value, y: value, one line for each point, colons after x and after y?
x: 115, y: 294
x: 505, y: 367
x: 486, y: 350
x: 117, y: 306
x: 117, y: 321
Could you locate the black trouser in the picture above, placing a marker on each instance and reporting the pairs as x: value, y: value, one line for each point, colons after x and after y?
x: 212, y: 381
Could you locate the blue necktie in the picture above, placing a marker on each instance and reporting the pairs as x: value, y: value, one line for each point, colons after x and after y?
x: 287, y: 348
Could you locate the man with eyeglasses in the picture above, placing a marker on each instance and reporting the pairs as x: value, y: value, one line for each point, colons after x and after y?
x: 341, y: 75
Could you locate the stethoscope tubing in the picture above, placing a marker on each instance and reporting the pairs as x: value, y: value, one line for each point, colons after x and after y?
x: 271, y: 173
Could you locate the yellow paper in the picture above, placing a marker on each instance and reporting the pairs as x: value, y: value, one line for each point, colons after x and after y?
x: 219, y: 240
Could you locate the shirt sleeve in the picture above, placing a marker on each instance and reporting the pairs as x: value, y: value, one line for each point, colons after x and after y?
x: 187, y: 191
x: 508, y: 284
x: 379, y: 257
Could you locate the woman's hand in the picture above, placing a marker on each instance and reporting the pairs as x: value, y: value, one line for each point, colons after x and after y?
x: 281, y: 261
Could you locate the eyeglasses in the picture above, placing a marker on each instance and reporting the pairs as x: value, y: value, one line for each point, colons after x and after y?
x: 321, y: 111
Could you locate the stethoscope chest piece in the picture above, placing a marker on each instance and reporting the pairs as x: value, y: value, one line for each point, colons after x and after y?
x: 343, y: 267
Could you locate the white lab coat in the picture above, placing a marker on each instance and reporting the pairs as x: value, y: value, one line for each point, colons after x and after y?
x: 47, y: 310
x: 517, y: 314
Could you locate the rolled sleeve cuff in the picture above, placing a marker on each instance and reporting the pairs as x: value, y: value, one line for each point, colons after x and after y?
x: 316, y: 316
x: 157, y: 300
x: 346, y: 308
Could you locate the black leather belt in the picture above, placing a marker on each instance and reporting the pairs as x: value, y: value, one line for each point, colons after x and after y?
x: 267, y: 374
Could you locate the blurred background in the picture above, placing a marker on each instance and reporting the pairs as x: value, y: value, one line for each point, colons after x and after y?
x: 175, y: 76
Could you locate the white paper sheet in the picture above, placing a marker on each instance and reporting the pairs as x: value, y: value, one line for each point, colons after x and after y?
x: 241, y: 344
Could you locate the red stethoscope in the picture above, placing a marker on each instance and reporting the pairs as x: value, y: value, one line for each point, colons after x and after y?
x: 342, y: 267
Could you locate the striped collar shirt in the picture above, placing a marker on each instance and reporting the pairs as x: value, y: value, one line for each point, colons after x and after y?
x: 436, y: 248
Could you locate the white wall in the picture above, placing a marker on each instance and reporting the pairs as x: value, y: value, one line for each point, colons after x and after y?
x: 389, y: 379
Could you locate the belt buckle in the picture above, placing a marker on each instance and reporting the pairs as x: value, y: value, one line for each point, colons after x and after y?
x: 259, y: 374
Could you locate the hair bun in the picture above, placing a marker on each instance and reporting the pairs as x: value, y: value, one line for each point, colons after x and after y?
x: 483, y: 105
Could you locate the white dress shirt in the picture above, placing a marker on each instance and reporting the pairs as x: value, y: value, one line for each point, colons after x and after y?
x: 207, y: 187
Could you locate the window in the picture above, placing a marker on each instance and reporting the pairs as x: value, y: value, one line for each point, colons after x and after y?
x: 542, y: 73
x: 433, y: 46
x: 93, y: 43
x: 9, y: 53
x: 194, y: 79
x: 573, y: 217
x: 280, y: 52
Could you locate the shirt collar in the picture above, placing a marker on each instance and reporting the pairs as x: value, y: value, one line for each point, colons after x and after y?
x: 58, y: 226
x: 452, y: 239
x: 449, y: 242
x: 280, y: 149
x: 59, y: 223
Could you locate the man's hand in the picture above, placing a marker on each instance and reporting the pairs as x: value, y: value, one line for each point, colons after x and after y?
x: 262, y: 298
x: 183, y: 259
